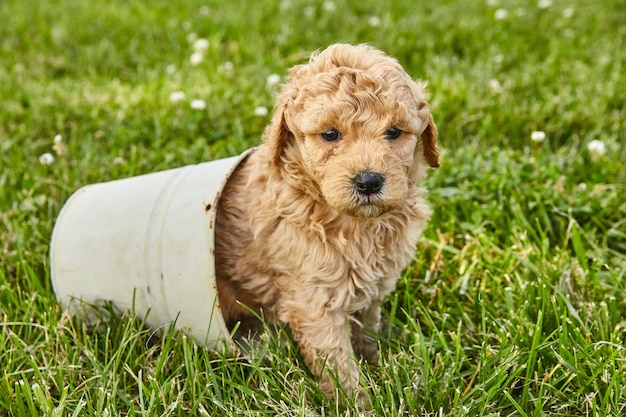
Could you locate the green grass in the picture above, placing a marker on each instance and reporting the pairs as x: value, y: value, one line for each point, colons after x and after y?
x: 516, y: 302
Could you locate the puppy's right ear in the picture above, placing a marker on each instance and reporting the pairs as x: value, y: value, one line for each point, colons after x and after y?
x: 277, y: 135
x: 429, y: 141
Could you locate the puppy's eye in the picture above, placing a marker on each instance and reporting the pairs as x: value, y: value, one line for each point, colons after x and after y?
x: 393, y: 133
x: 331, y: 135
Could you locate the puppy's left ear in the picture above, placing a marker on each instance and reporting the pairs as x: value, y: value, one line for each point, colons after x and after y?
x: 429, y: 142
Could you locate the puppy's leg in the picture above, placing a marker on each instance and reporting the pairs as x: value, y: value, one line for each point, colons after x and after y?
x: 364, y: 344
x: 324, y: 340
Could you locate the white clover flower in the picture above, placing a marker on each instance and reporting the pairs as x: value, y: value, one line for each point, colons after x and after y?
x: 118, y: 160
x: 204, y: 10
x: 198, y: 104
x: 501, y: 14
x: 492, y: 3
x: 495, y: 86
x: 177, y: 97
x: 170, y: 69
x: 46, y: 159
x: 191, y: 37
x: 544, y: 4
x: 261, y: 111
x: 308, y: 11
x: 498, y: 59
x: 227, y: 66
x: 58, y: 145
x: 272, y: 80
x: 538, y: 136
x: 596, y: 149
x: 330, y: 6
x: 581, y: 187
x: 196, y: 59
x: 201, y: 45
x: 567, y: 12
x: 374, y: 21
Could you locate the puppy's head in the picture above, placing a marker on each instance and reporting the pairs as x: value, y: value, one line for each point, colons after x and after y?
x: 356, y: 128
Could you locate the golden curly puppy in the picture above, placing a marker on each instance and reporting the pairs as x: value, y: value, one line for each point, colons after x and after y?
x: 316, y: 226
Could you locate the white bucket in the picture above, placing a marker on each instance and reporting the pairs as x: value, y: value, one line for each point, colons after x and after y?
x: 145, y: 243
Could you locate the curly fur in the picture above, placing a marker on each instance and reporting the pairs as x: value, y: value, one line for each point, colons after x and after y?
x: 295, y: 239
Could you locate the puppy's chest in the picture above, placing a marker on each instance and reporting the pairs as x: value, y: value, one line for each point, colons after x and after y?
x: 372, y: 266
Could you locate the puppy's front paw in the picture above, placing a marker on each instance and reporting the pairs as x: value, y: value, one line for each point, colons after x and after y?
x: 336, y: 370
x: 369, y: 352
x: 366, y: 348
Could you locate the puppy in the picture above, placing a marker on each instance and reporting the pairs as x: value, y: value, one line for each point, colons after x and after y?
x: 316, y: 225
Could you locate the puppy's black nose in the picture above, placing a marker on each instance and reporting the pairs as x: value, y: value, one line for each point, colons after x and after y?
x: 368, y: 183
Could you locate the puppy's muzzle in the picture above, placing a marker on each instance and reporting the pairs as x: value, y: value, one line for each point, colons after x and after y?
x: 368, y: 183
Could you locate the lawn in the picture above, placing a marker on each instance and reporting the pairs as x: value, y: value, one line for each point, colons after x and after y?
x: 516, y: 302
